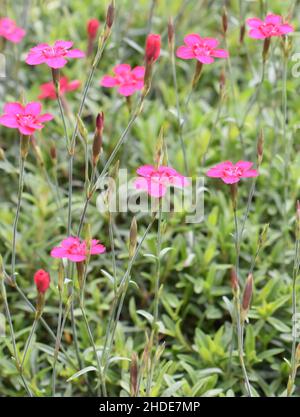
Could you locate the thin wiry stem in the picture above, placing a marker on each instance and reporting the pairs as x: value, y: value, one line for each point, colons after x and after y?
x: 57, y: 343
x: 118, y: 305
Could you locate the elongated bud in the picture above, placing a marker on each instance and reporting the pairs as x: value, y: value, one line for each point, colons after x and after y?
x: 133, y: 375
x: 197, y: 74
x: 53, y: 153
x: 25, y: 140
x: 80, y: 272
x: 110, y: 15
x: 60, y: 282
x: 263, y: 235
x: 247, y: 295
x: 132, y: 238
x: 222, y: 82
x: 233, y: 192
x: 97, y: 143
x: 260, y: 147
x: 298, y: 221
x: 42, y: 282
x: 92, y: 28
x: 242, y: 33
x: 171, y: 33
x: 234, y: 282
x: 81, y: 128
x: 266, y: 47
x: 56, y: 79
x: 37, y: 151
x: 152, y: 49
x: 298, y: 354
x: 224, y: 20
x: 2, y: 154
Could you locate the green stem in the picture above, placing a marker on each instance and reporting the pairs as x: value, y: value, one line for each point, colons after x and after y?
x: 57, y: 343
x: 28, y: 342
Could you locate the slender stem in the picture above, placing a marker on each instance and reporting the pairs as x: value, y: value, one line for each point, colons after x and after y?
x: 287, y: 145
x: 44, y: 323
x: 94, y: 349
x: 15, y: 225
x: 28, y: 342
x: 178, y: 111
x: 154, y: 333
x: 118, y: 305
x: 113, y: 252
x: 57, y: 343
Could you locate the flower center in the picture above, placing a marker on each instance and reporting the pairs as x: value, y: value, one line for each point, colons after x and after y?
x: 270, y: 29
x: 202, y: 49
x: 25, y: 119
x: 51, y: 52
x: 233, y: 172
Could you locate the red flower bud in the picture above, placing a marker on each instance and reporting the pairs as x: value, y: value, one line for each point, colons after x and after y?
x: 92, y: 28
x: 42, y: 280
x: 152, y: 51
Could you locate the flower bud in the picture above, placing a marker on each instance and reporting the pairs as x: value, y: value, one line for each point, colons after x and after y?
x: 242, y: 33
x: 97, y: 143
x: 132, y: 238
x: 42, y: 280
x: 110, y: 15
x: 92, y: 28
x: 224, y: 20
x: 171, y: 33
x: 234, y: 282
x: 247, y: 295
x: 133, y: 375
x: 53, y: 153
x: 152, y: 50
x: 266, y: 47
x: 2, y: 154
x: 260, y: 147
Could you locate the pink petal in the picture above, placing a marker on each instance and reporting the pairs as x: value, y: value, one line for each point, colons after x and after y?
x: 64, y: 44
x: 13, y: 108
x: 26, y: 130
x: 97, y: 249
x: 69, y: 241
x: 56, y: 62
x: 138, y: 72
x: 8, y: 120
x: 211, y: 42
x: 155, y: 189
x: 214, y: 173
x: 46, y: 117
x: 230, y: 180
x: 141, y: 184
x: 34, y: 58
x: 73, y: 85
x: 58, y: 252
x: 251, y: 173
x: 75, y: 53
x: 126, y: 90
x: 145, y: 170
x: 108, y: 81
x: 220, y: 53
x: 205, y: 59
x: 244, y: 164
x: 121, y: 68
x: 274, y: 19
x: 256, y: 34
x: 76, y: 257
x: 286, y: 28
x: 33, y: 108
x: 192, y: 39
x: 185, y: 52
x: 179, y: 181
x: 254, y: 22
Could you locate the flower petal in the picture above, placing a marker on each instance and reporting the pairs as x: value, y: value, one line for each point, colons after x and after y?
x: 254, y: 22
x: 273, y: 19
x: 220, y: 53
x: 185, y: 52
x: 75, y: 53
x: 121, y: 68
x: 145, y: 170
x: 56, y: 62
x: 33, y: 108
x: 192, y: 39
x: 108, y: 81
x: 126, y: 90
x: 256, y: 34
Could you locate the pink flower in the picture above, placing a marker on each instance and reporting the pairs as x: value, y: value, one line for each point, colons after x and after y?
x: 203, y: 49
x: 48, y: 89
x: 10, y: 31
x: 128, y: 80
x: 76, y: 250
x: 54, y: 56
x: 27, y: 119
x: 42, y: 280
x: 156, y: 180
x: 231, y: 173
x: 272, y: 26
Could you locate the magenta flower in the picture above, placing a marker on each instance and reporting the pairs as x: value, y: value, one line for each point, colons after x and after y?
x: 48, y: 89
x: 128, y: 80
x: 202, y: 49
x: 10, y: 31
x: 76, y: 250
x: 54, y: 56
x: 156, y: 180
x: 231, y: 173
x: 27, y: 119
x: 272, y: 26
